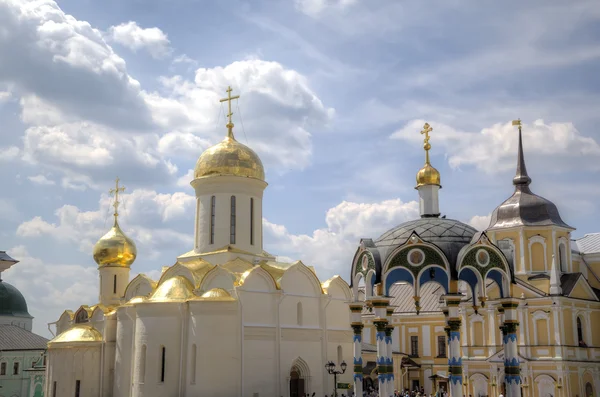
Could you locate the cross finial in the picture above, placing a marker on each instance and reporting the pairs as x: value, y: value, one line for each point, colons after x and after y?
x: 425, y: 131
x: 517, y: 122
x: 118, y: 189
x: 229, y: 113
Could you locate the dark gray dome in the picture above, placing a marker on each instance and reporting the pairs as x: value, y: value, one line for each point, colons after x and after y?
x: 448, y: 234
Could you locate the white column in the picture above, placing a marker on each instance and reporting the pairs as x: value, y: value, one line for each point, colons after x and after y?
x: 522, y: 252
x: 491, y: 330
x: 357, y: 326
x: 389, y: 358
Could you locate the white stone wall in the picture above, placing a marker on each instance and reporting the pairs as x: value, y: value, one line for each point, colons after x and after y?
x: 107, y: 294
x: 69, y: 364
x: 21, y: 322
x: 223, y: 188
x: 123, y: 354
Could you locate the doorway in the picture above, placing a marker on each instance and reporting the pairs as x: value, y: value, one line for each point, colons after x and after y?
x: 296, y: 384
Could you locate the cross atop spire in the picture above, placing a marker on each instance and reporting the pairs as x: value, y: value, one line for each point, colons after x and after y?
x: 521, y: 179
x: 425, y: 131
x: 229, y: 113
x: 118, y: 189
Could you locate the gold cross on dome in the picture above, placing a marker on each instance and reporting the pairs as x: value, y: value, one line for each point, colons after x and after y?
x: 228, y: 100
x: 116, y: 192
x: 425, y: 131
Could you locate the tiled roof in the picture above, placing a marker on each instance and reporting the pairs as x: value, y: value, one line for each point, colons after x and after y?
x: 16, y: 338
x: 403, y: 298
x: 568, y: 281
x: 589, y: 244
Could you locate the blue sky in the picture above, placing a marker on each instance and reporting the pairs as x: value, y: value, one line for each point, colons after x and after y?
x: 333, y: 95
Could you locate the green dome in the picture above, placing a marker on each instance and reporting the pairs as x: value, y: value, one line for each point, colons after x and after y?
x: 12, y: 302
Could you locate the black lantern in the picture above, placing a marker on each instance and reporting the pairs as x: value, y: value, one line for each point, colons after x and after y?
x: 331, y: 370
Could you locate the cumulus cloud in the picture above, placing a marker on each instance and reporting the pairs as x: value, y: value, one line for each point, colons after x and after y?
x: 66, y: 62
x: 88, y: 154
x: 277, y: 112
x: 494, y: 149
x: 50, y: 288
x: 134, y: 37
x: 480, y: 222
x: 154, y: 220
x: 330, y: 249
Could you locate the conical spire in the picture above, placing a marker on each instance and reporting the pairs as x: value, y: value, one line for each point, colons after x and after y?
x: 521, y: 178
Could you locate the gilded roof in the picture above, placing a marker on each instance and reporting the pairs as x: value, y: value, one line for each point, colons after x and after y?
x: 115, y: 248
x: 217, y: 294
x: 176, y: 289
x: 78, y: 333
x: 229, y: 157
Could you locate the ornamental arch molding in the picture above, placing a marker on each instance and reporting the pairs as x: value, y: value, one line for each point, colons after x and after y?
x: 537, y: 240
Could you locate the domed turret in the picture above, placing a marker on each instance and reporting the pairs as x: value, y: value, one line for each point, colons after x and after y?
x: 229, y: 157
x: 12, y: 302
x: 428, y: 182
x: 114, y: 253
x: 115, y: 248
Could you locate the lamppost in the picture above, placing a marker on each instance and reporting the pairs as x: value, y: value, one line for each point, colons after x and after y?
x: 331, y: 369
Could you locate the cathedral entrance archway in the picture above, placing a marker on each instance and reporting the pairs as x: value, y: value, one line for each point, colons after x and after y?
x: 296, y: 384
x: 299, y: 378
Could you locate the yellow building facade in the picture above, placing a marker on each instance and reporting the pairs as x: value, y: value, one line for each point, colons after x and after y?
x: 510, y: 310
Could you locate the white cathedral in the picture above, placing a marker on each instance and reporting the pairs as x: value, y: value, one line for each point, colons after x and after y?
x: 227, y: 319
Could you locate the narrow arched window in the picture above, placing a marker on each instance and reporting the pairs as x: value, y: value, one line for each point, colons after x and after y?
x: 143, y: 364
x: 232, y: 226
x: 299, y: 313
x: 251, y: 221
x: 340, y: 354
x: 163, y: 359
x: 213, y: 207
x: 193, y: 365
x: 115, y: 284
x: 562, y: 258
x: 580, y: 340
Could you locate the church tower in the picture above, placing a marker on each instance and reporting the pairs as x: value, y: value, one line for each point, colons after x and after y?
x: 114, y: 253
x: 229, y: 181
x: 428, y: 182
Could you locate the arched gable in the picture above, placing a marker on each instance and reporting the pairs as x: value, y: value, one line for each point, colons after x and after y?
x: 298, y: 279
x: 64, y: 322
x: 337, y: 288
x: 98, y: 313
x: 141, y: 285
x: 178, y: 269
x: 218, y: 277
x: 365, y: 260
x: 257, y: 279
x: 83, y: 314
x: 238, y: 265
x: 301, y: 367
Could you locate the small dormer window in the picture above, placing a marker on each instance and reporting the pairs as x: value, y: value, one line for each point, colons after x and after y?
x: 81, y: 317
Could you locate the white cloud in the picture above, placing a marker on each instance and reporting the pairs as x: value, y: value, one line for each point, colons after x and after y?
x: 315, y: 8
x: 41, y: 180
x: 185, y: 179
x: 9, y: 153
x: 5, y: 96
x: 67, y: 63
x: 480, y: 222
x: 494, y: 148
x: 330, y: 249
x: 152, y: 219
x: 132, y: 36
x: 276, y: 113
x: 51, y: 288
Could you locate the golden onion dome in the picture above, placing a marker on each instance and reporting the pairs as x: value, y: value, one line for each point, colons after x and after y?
x: 229, y: 157
x: 428, y: 175
x: 78, y: 333
x: 115, y: 248
x: 176, y: 289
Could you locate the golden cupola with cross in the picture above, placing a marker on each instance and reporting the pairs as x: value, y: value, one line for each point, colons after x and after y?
x: 115, y: 249
x: 229, y: 157
x: 428, y: 182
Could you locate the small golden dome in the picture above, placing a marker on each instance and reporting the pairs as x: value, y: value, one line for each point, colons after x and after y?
x: 176, y: 289
x: 78, y: 333
x: 229, y: 157
x: 428, y: 175
x: 115, y: 248
x: 216, y: 294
